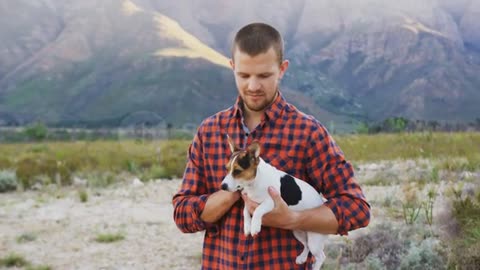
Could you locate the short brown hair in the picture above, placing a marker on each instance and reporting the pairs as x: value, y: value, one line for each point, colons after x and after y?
x: 257, y: 38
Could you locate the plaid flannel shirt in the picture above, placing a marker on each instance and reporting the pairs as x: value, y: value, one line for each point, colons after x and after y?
x: 291, y: 141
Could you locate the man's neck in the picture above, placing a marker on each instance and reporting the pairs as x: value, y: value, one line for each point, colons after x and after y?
x: 253, y: 118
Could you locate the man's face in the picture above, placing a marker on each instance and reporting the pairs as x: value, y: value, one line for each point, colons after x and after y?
x: 257, y: 78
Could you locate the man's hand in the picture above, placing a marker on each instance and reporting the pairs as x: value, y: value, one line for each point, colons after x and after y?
x: 280, y: 217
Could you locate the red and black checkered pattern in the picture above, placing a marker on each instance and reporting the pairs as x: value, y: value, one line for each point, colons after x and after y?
x: 292, y: 142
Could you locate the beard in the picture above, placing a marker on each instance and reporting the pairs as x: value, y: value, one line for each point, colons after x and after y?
x: 260, y: 104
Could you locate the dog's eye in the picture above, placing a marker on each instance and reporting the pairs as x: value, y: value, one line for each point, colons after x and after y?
x: 236, y: 172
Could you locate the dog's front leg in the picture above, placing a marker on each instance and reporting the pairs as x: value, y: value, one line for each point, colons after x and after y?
x: 265, y: 207
x: 247, y: 221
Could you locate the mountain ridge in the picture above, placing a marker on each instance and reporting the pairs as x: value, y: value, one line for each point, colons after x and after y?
x: 351, y: 60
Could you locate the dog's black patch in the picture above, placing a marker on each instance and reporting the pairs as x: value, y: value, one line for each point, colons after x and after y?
x: 289, y: 190
x: 244, y: 162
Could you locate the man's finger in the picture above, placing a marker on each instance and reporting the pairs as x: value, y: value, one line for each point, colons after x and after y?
x: 275, y: 195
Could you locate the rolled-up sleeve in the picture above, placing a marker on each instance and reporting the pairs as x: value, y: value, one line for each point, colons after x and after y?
x: 189, y: 201
x: 334, y: 177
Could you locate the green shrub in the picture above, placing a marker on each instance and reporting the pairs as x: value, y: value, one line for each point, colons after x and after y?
x: 411, y: 205
x: 26, y: 237
x: 388, y: 247
x: 374, y: 263
x: 428, y: 205
x: 100, y: 179
x: 435, y: 175
x: 8, y: 181
x: 454, y: 164
x: 464, y: 256
x: 13, y: 260
x: 26, y: 170
x: 155, y: 172
x: 29, y: 168
x: 36, y: 132
x: 382, y: 243
x: 83, y: 195
x: 5, y: 163
x: 109, y: 237
x: 132, y: 166
x: 39, y: 267
x: 423, y: 256
x: 465, y: 250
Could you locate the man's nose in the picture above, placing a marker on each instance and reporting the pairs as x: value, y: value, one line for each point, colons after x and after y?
x: 224, y: 186
x: 253, y: 85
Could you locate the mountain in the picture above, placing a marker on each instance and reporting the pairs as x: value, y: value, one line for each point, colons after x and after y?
x: 84, y: 62
x: 99, y: 62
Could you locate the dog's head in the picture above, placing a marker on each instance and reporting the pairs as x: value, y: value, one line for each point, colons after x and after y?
x: 242, y: 166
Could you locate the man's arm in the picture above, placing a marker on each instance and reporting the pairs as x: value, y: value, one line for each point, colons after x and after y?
x: 320, y: 219
x: 218, y: 204
x: 332, y: 175
x: 190, y: 200
x: 194, y: 208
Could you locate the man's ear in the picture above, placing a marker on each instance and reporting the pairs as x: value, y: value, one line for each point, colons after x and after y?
x: 232, y: 64
x: 283, y: 68
x: 254, y: 149
x: 232, y: 145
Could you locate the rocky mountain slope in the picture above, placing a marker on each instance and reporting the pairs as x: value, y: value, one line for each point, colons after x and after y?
x: 87, y: 62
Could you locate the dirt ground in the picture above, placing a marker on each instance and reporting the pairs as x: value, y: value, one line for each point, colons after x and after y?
x: 64, y: 229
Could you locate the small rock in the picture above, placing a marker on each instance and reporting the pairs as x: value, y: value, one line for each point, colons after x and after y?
x: 37, y: 186
x: 79, y: 182
x: 466, y: 175
x: 137, y: 183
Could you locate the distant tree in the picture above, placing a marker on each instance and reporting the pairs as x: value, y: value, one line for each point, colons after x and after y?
x: 433, y: 125
x: 36, y: 132
x: 170, y: 131
x: 477, y: 123
x: 362, y: 128
x: 394, y: 124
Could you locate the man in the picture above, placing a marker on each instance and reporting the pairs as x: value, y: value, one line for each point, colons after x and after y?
x: 291, y: 141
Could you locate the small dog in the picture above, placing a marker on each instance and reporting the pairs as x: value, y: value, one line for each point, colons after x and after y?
x: 250, y: 174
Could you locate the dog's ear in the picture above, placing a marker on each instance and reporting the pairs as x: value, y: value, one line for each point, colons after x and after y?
x: 254, y: 149
x: 232, y: 145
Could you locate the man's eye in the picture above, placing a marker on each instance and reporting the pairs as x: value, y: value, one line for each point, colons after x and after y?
x: 236, y: 172
x: 264, y: 76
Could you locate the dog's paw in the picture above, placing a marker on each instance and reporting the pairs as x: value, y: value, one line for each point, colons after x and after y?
x: 301, y: 259
x: 256, y: 228
x: 246, y: 229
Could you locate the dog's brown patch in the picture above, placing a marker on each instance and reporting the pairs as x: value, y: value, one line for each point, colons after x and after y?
x: 243, y: 165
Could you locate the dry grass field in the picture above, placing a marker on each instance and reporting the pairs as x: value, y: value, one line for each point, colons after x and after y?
x: 107, y: 205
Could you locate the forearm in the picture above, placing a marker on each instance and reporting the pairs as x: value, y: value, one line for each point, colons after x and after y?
x: 218, y: 204
x: 320, y: 219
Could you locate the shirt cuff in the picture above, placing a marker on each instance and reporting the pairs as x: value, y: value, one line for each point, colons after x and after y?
x: 210, y: 228
x: 334, y: 205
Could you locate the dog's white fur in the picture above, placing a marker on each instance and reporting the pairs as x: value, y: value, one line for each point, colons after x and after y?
x: 257, y: 190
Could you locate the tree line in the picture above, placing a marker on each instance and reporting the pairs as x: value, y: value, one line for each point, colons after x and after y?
x: 401, y: 124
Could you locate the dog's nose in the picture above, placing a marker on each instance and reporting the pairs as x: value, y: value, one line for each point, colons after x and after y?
x: 224, y: 186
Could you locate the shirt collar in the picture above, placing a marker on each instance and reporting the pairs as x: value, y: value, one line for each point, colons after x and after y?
x: 273, y: 111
